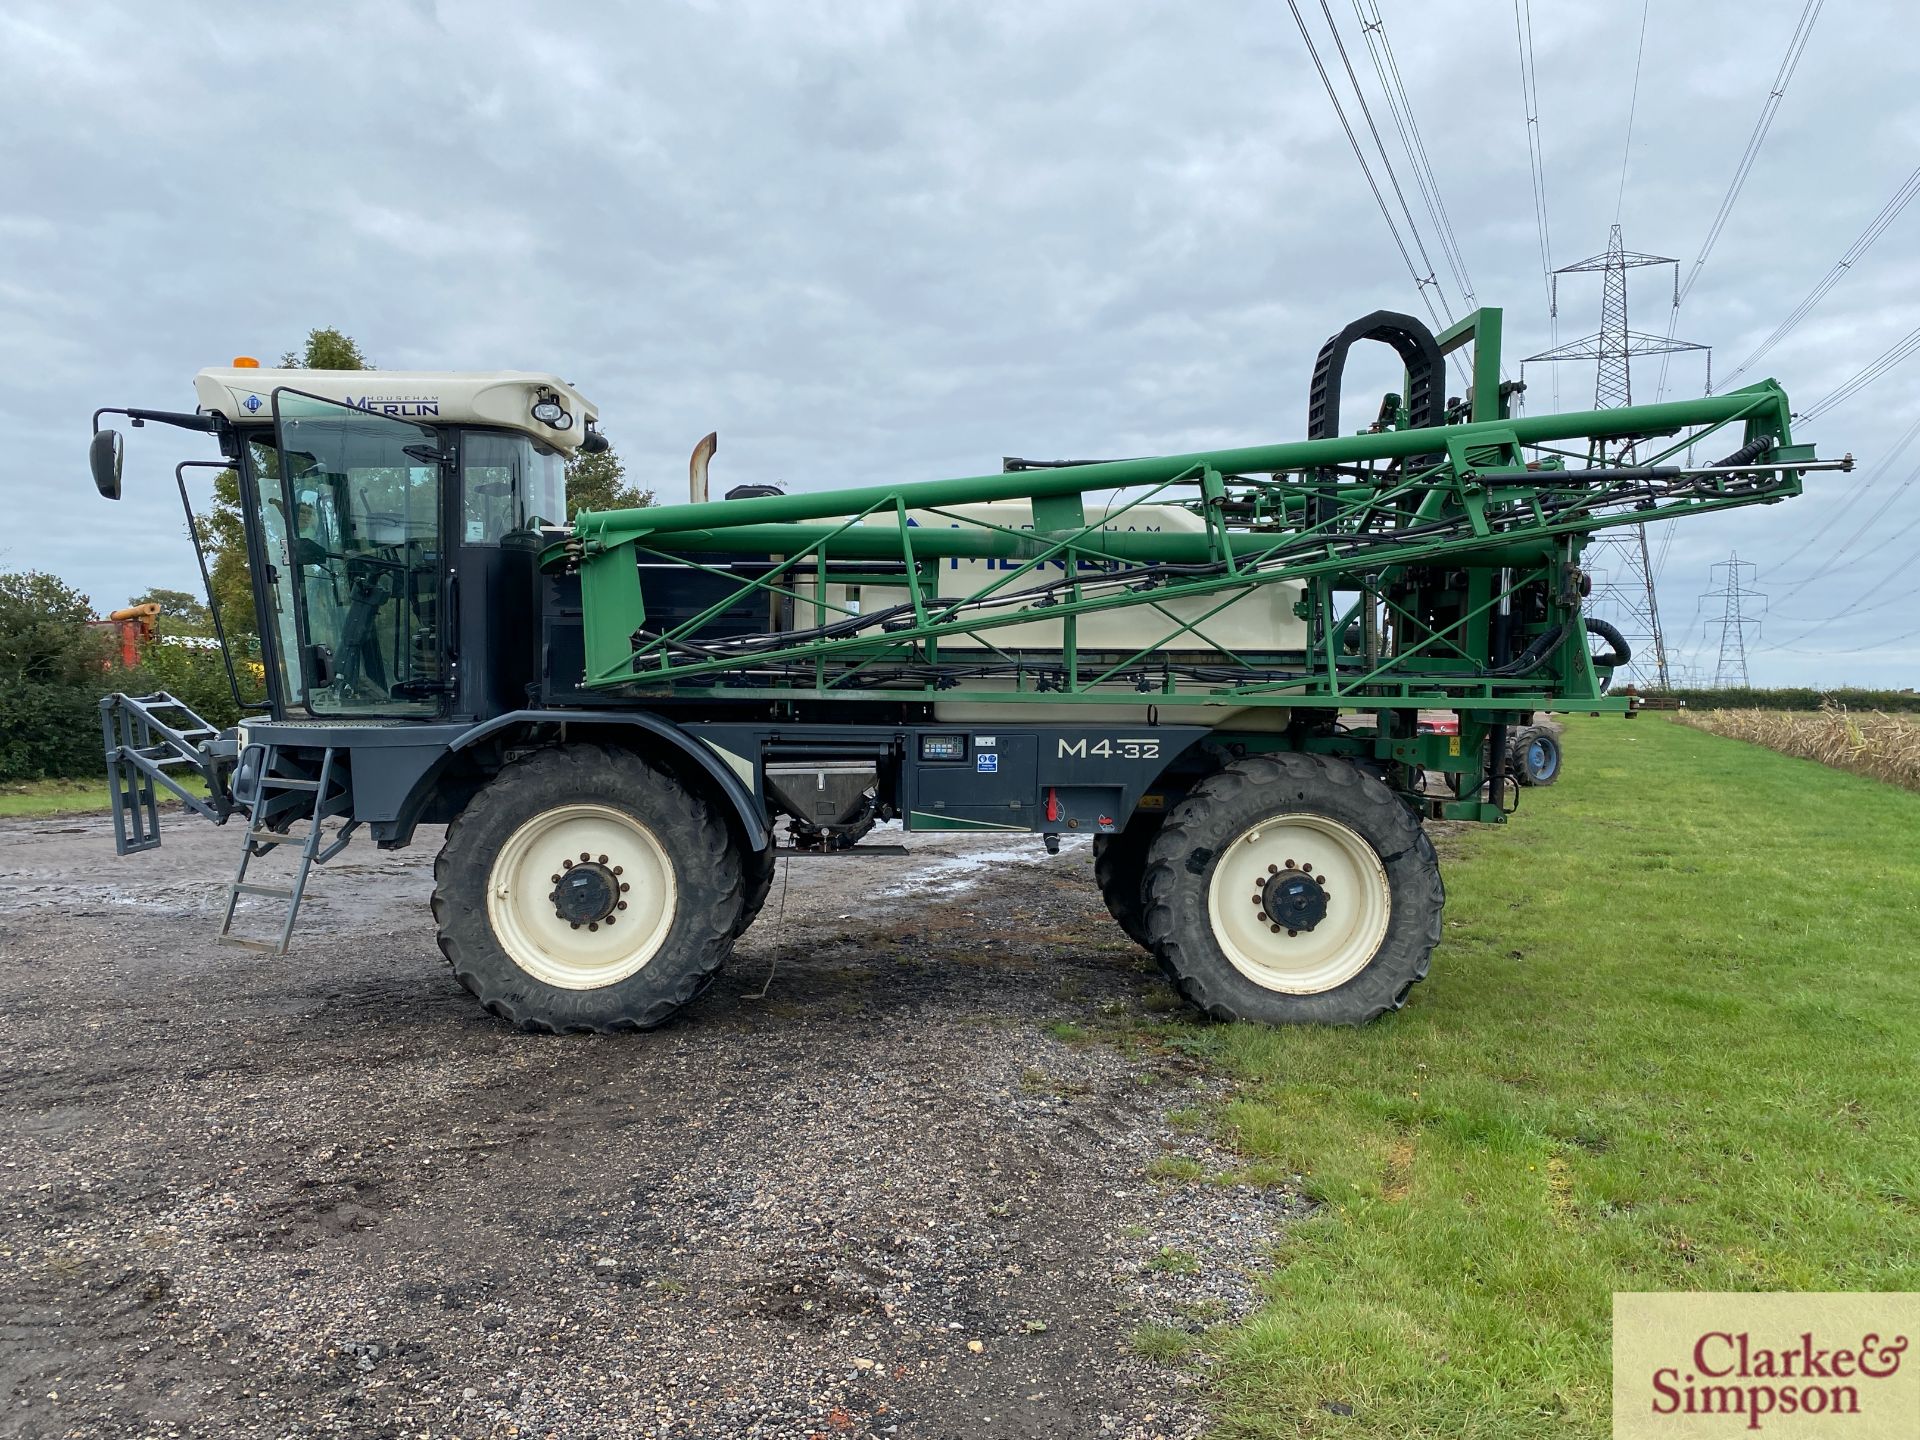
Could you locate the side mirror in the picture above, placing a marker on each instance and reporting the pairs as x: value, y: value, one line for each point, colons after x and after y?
x: 104, y: 458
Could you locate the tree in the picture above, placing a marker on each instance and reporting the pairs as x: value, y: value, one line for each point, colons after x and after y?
x: 183, y: 614
x: 222, y: 528
x: 598, y: 482
x: 44, y: 634
x: 326, y: 350
x: 52, y: 669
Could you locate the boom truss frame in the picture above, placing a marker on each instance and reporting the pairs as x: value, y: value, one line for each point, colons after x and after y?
x: 1438, y: 566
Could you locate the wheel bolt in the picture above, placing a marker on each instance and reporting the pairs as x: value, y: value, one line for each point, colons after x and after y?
x: 1319, y: 879
x: 593, y: 925
x: 585, y: 856
x: 618, y: 905
x: 610, y: 919
x: 603, y: 859
x: 1289, y: 865
x: 576, y: 924
x: 1274, y: 928
x: 1293, y: 932
x: 566, y: 864
x: 618, y: 871
x: 1275, y: 869
x: 555, y: 879
x: 624, y: 887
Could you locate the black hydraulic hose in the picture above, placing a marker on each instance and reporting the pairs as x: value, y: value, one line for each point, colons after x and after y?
x: 1747, y: 453
x: 1533, y: 657
x: 1619, y: 654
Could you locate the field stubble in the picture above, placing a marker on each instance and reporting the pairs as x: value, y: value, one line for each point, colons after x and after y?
x: 1885, y: 747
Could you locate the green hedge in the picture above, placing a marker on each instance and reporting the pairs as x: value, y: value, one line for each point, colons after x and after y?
x: 48, y: 731
x: 55, y: 667
x: 1786, y: 698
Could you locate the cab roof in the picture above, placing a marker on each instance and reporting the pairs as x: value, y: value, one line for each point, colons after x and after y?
x: 501, y: 398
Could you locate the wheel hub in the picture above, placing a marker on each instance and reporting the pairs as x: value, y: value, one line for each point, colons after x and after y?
x: 587, y: 891
x: 1293, y: 900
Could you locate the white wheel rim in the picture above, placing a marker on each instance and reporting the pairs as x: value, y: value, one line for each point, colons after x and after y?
x: 1306, y: 962
x: 528, y: 924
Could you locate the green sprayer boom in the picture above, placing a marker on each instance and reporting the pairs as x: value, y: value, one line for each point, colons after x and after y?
x: 1427, y: 564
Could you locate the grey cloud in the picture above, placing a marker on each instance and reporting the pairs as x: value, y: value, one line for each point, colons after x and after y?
x: 897, y: 241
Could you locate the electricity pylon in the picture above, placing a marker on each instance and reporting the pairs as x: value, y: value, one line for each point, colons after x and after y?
x: 1741, y: 606
x: 1618, y: 561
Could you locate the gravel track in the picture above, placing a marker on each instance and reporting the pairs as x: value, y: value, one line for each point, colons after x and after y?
x: 327, y: 1195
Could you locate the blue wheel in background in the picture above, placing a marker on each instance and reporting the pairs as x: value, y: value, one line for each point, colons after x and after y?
x: 1536, y: 756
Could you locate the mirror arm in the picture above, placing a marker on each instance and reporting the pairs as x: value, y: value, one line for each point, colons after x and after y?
x: 212, y: 424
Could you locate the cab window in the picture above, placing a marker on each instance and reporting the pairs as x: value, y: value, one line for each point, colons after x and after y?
x: 508, y: 484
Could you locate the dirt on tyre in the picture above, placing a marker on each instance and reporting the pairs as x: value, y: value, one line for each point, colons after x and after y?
x: 1119, y: 869
x: 757, y: 870
x: 1293, y: 889
x: 585, y: 890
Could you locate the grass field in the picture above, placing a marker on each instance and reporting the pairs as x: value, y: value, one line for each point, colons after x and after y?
x: 1670, y: 1042
x: 52, y: 797
x: 30, y: 798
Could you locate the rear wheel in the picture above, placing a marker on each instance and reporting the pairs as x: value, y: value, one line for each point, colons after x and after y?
x: 757, y: 868
x: 1293, y: 889
x: 585, y: 890
x: 1119, y: 869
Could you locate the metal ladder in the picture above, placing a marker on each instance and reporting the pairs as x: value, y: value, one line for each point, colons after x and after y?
x: 278, y: 798
x: 157, y: 739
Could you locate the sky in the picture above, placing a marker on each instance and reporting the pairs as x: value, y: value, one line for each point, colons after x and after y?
x: 884, y: 241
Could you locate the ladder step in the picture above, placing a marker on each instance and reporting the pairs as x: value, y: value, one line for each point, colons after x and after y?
x: 275, y: 892
x: 280, y: 782
x: 269, y: 946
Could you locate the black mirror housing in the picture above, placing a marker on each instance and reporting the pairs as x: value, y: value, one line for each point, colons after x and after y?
x: 105, y: 457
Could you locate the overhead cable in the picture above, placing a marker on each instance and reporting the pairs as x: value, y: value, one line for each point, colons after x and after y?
x: 1796, y: 46
x: 1871, y: 372
x: 1421, y: 283
x: 1863, y: 243
x: 1537, y: 163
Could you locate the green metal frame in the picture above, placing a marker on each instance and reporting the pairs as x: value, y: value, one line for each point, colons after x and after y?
x: 1432, y: 541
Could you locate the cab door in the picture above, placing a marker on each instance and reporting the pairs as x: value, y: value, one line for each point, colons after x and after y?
x: 360, y: 522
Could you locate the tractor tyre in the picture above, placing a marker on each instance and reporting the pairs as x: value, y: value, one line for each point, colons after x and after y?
x: 1119, y: 869
x: 1536, y: 756
x: 757, y: 868
x: 1293, y: 889
x: 583, y: 889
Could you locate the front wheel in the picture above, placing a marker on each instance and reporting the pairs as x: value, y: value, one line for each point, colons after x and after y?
x: 585, y: 890
x: 1293, y: 889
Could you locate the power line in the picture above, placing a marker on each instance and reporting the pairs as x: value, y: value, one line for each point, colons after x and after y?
x: 1875, y: 229
x: 1633, y: 103
x: 1796, y: 46
x: 1853, y: 650
x: 1420, y: 283
x: 1373, y: 28
x: 1839, y: 512
x: 1537, y: 163
x: 1871, y: 372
